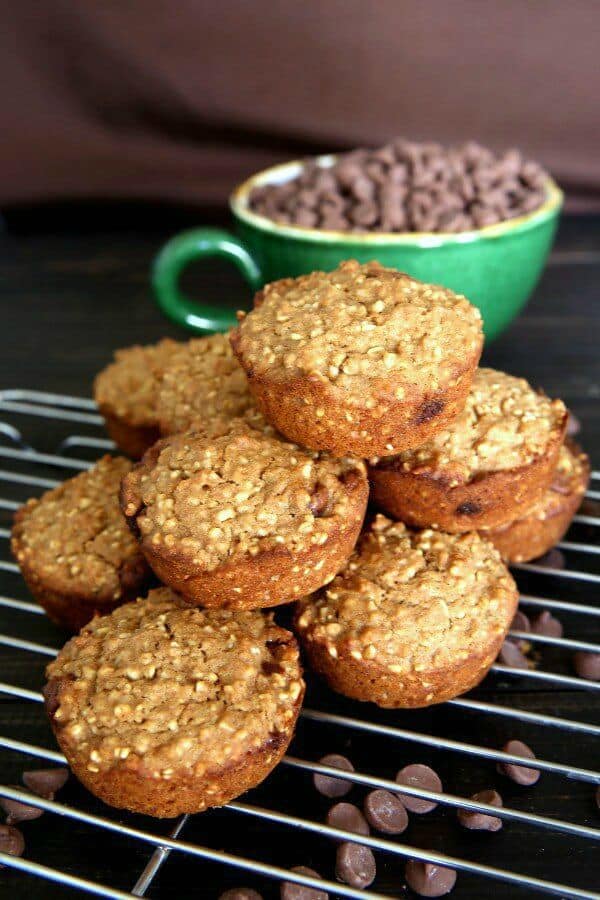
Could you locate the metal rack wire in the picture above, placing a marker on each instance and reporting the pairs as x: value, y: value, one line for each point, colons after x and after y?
x: 22, y: 470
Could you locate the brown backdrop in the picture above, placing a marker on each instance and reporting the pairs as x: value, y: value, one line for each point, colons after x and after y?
x: 180, y: 100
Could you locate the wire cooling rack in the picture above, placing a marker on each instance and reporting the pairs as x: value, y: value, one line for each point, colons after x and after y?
x: 26, y: 472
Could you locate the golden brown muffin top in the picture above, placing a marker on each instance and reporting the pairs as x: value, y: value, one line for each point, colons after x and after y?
x: 128, y: 387
x: 219, y: 499
x: 203, y: 381
x: 164, y: 688
x: 412, y: 601
x: 505, y: 424
x: 357, y: 324
x: 74, y: 538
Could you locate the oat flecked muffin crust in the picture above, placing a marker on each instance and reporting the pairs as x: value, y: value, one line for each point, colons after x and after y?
x: 202, y: 382
x: 415, y: 618
x: 548, y: 519
x: 126, y: 393
x: 362, y: 360
x: 74, y: 548
x: 485, y: 469
x: 163, y: 709
x: 243, y: 519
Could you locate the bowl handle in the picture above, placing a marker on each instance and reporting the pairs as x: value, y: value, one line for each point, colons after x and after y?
x: 175, y: 256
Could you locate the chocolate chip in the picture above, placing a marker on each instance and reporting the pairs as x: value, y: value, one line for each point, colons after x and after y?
x: 511, y: 655
x: 291, y: 891
x: 241, y: 893
x: 16, y: 811
x: 11, y: 841
x: 519, y: 774
x: 553, y: 559
x: 587, y: 665
x: 439, y: 189
x: 45, y: 782
x: 319, y: 501
x: 428, y: 411
x: 329, y: 786
x: 479, y: 821
x: 349, y: 817
x: 520, y: 622
x: 598, y: 796
x: 573, y: 425
x: 429, y: 880
x: 468, y: 509
x: 419, y: 776
x: 385, y: 812
x: 355, y: 865
x: 547, y: 625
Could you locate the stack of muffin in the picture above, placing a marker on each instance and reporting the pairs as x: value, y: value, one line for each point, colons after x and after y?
x: 252, y: 490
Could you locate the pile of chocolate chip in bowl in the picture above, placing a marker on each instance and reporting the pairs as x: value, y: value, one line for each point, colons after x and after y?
x: 406, y: 186
x: 355, y: 466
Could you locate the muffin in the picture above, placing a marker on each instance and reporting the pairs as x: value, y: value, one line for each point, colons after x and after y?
x: 485, y: 469
x: 126, y: 394
x: 74, y: 549
x: 164, y: 709
x: 415, y: 618
x: 548, y: 519
x: 363, y: 360
x: 202, y: 382
x: 243, y: 520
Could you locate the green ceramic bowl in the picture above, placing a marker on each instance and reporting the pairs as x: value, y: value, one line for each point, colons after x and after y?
x: 496, y: 267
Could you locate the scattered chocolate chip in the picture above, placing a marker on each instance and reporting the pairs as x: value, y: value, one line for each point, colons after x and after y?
x: 241, y: 893
x: 479, y: 821
x: 553, y: 559
x: 45, y: 782
x: 329, y: 786
x: 291, y: 891
x: 573, y: 425
x: 385, y: 812
x: 349, y: 817
x: 429, y: 880
x: 547, y: 624
x: 16, y: 811
x: 587, y: 665
x: 511, y: 655
x: 11, y: 841
x: 419, y: 776
x: 598, y: 796
x: 355, y: 865
x: 520, y: 622
x: 519, y: 774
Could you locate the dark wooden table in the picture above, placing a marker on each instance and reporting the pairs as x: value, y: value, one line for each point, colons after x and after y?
x: 68, y: 299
